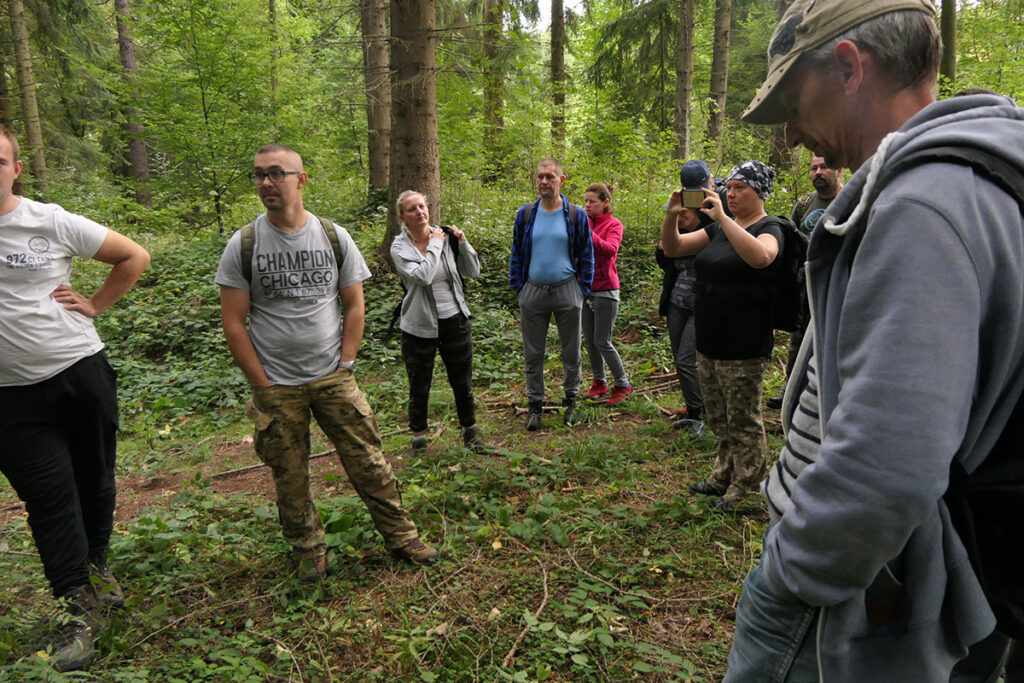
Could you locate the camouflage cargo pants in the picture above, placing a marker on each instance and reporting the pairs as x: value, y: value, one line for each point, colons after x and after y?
x: 732, y: 406
x: 281, y: 414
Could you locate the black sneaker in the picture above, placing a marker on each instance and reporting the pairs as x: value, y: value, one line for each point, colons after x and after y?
x: 706, y: 488
x: 694, y: 427
x: 775, y: 402
x: 569, y: 410
x: 73, y: 647
x: 471, y: 440
x: 534, y: 415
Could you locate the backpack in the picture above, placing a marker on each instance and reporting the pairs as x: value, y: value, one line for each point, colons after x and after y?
x: 788, y: 287
x: 985, y: 505
x: 249, y: 243
x: 453, y: 244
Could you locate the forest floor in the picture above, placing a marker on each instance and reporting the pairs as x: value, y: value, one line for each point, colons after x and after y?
x: 575, y: 555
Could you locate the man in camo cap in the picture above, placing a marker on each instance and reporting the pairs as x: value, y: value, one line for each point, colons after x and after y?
x: 915, y: 362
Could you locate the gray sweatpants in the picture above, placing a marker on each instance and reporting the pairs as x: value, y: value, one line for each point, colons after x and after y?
x: 599, y: 314
x: 536, y: 304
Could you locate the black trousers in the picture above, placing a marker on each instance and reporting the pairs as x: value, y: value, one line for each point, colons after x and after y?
x: 57, y: 448
x: 455, y: 343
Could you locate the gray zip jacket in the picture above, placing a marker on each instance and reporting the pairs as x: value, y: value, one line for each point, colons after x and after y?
x: 918, y: 331
x: 419, y: 313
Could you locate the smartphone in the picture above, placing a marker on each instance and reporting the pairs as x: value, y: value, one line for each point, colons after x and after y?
x: 692, y: 199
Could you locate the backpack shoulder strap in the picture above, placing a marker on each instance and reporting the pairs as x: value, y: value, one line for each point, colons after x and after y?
x: 248, y: 244
x: 332, y: 237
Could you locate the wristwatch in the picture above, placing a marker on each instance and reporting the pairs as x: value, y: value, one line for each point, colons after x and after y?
x: 349, y: 365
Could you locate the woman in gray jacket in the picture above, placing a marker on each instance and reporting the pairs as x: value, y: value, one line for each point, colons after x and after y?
x: 434, y: 316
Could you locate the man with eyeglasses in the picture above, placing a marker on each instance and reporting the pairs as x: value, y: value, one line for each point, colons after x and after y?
x: 286, y: 273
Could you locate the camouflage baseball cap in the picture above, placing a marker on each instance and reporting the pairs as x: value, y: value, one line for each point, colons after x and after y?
x: 806, y: 25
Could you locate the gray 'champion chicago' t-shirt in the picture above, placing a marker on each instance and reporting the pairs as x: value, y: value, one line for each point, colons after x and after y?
x: 295, y: 317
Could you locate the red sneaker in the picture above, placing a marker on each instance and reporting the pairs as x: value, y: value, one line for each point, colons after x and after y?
x: 619, y: 394
x: 597, y: 390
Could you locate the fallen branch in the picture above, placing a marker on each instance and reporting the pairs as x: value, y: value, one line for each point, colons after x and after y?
x: 250, y: 468
x: 505, y: 663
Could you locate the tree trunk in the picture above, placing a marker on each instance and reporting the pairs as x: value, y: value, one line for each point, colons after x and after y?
x: 947, y: 69
x: 377, y: 82
x: 779, y: 154
x: 684, y: 76
x: 558, y: 77
x: 275, y: 54
x: 414, y: 154
x: 494, y: 79
x: 719, y: 73
x: 136, y: 147
x: 5, y: 91
x: 29, y: 105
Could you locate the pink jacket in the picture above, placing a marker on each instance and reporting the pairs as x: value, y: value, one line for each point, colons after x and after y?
x: 606, y: 230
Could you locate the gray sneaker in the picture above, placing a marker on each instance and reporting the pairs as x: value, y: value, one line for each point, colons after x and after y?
x: 694, y: 427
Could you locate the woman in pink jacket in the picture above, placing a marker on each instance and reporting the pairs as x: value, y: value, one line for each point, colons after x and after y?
x: 602, y: 304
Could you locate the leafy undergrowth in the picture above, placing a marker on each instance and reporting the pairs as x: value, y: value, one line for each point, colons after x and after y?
x: 576, y: 555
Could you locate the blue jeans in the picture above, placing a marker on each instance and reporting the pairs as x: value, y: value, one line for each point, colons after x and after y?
x: 774, y: 639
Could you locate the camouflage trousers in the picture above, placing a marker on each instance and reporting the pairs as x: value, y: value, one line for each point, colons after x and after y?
x: 732, y: 407
x: 281, y: 414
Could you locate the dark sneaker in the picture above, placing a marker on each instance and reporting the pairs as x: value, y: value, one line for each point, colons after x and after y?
x: 471, y: 440
x: 311, y: 568
x: 416, y: 552
x: 741, y: 506
x: 723, y: 505
x: 108, y: 591
x: 775, y: 402
x: 73, y: 646
x: 597, y: 390
x: 694, y: 427
x: 418, y: 449
x: 569, y: 411
x: 706, y: 488
x: 533, y: 417
x: 619, y: 394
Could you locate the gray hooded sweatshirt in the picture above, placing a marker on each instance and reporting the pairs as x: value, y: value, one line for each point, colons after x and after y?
x: 917, y: 300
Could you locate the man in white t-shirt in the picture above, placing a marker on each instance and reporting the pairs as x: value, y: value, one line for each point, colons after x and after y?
x: 301, y: 360
x: 58, y: 397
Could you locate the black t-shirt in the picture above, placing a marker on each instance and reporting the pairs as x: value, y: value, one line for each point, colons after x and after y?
x: 734, y: 301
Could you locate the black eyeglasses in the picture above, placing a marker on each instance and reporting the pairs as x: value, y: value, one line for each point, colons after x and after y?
x: 276, y: 176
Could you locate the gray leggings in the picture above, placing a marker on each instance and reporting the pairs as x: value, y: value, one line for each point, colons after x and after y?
x: 599, y: 314
x: 684, y: 349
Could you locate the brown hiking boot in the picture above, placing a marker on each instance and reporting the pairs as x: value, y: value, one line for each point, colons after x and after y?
x: 311, y: 566
x: 105, y: 586
x: 73, y: 646
x: 416, y: 552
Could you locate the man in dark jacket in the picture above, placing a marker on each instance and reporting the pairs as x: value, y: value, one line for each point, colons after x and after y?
x: 551, y: 270
x: 916, y: 288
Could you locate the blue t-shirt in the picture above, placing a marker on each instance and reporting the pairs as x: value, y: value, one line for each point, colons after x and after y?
x: 549, y: 258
